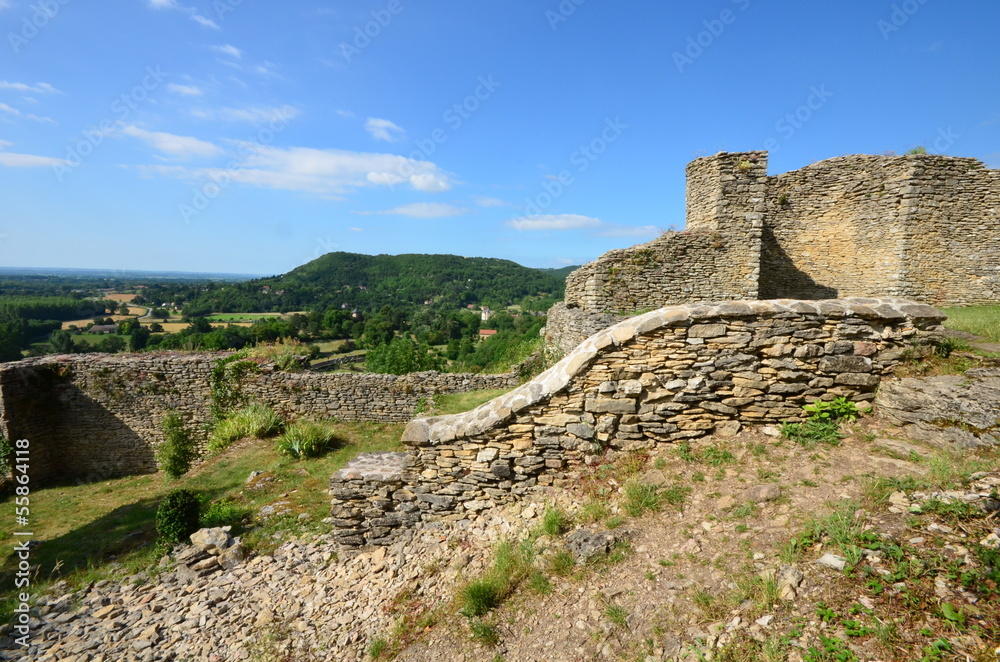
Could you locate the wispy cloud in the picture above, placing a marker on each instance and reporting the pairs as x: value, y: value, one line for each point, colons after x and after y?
x: 191, y: 12
x: 29, y: 116
x: 5, y: 4
x: 422, y: 210
x: 484, y: 201
x: 228, y: 49
x: 37, y: 88
x: 11, y: 160
x: 183, y: 147
x: 384, y: 130
x: 554, y: 222
x: 185, y: 90
x: 328, y: 172
x: 253, y: 114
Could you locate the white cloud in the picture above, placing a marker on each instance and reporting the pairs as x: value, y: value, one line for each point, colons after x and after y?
x: 629, y: 231
x: 184, y: 90
x: 183, y: 147
x: 29, y: 160
x: 191, y: 12
x: 484, y: 201
x: 37, y: 88
x: 228, y: 49
x: 345, y: 113
x: 328, y: 172
x: 5, y: 143
x: 554, y: 222
x: 384, y: 130
x: 253, y: 115
x: 355, y: 229
x: 17, y: 113
x: 5, y: 4
x: 423, y: 210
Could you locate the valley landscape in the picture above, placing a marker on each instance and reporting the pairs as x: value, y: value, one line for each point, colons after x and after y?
x: 499, y: 332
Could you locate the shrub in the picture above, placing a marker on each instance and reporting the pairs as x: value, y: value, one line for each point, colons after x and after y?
x: 178, y: 450
x: 306, y: 439
x: 177, y: 516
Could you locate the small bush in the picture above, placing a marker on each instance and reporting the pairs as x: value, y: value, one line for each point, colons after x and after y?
x: 178, y: 449
x: 177, y: 516
x: 812, y: 432
x: 306, y: 439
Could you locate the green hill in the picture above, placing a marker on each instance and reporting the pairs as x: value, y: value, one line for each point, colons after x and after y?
x: 369, y: 282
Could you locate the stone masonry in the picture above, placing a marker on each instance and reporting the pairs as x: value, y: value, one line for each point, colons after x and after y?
x: 93, y: 417
x: 922, y: 227
x: 674, y: 374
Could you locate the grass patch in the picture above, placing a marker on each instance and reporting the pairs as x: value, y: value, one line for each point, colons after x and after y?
x: 617, y: 614
x: 456, y: 403
x: 484, y: 632
x: 555, y: 522
x: 86, y: 527
x: 307, y: 439
x: 254, y: 420
x: 981, y: 320
x: 639, y: 497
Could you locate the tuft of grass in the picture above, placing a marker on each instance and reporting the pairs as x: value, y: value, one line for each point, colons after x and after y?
x: 377, y: 647
x: 555, y: 522
x: 639, y: 497
x: 562, y: 563
x: 617, y: 614
x: 593, y: 511
x: 306, y: 439
x: 254, y: 420
x: 480, y: 596
x: 484, y: 632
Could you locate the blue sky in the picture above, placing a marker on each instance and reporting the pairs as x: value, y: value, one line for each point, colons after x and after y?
x: 250, y: 137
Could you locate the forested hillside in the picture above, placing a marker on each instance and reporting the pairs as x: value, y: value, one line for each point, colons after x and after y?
x: 370, y: 282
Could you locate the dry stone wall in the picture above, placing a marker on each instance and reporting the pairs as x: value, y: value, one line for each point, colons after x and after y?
x: 92, y: 417
x: 678, y: 373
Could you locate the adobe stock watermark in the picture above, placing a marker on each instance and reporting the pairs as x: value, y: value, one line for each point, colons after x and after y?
x: 42, y: 12
x: 562, y: 13
x: 121, y: 108
x: 454, y: 117
x: 792, y: 122
x: 900, y: 16
x: 581, y: 159
x: 699, y: 43
x: 365, y: 34
x: 222, y: 178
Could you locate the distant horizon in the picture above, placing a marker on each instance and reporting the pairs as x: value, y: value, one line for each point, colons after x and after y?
x: 165, y: 274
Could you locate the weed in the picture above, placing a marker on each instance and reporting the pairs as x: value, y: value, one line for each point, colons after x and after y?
x: 539, y: 583
x: 593, y: 511
x: 717, y: 457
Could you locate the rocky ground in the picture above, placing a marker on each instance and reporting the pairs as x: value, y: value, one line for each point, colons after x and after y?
x: 756, y: 548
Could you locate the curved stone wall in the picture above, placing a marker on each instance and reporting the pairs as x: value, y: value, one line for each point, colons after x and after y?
x: 677, y: 373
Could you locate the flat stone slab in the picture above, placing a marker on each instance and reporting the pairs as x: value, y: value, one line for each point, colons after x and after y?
x: 374, y: 467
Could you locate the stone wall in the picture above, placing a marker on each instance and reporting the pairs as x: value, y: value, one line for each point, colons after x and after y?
x: 678, y: 373
x: 922, y: 227
x: 96, y: 416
